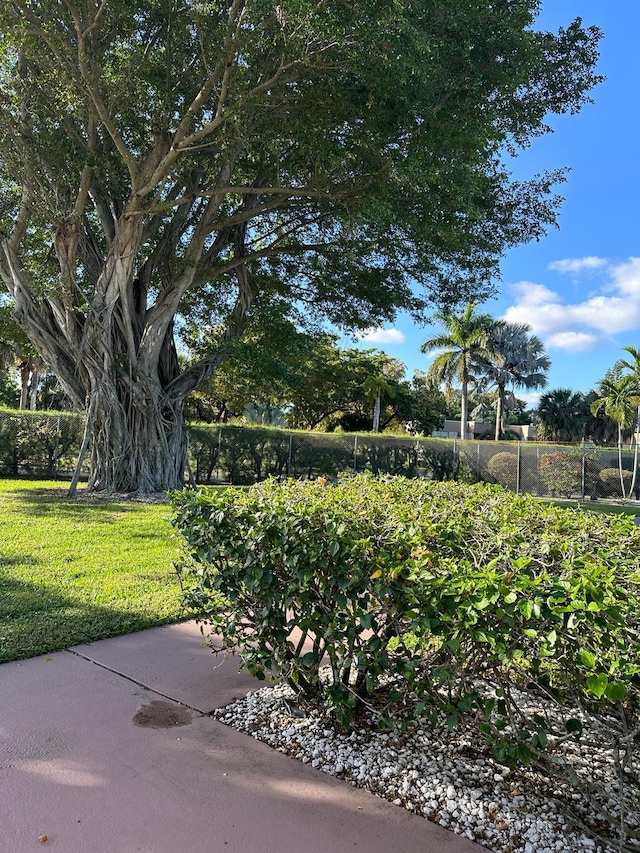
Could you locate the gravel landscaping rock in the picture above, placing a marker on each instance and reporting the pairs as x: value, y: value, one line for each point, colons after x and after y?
x: 448, y: 777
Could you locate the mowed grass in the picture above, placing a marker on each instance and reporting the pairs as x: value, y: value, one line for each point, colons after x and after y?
x: 73, y: 571
x: 601, y: 507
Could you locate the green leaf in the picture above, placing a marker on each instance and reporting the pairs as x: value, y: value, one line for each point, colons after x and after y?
x: 587, y: 658
x: 526, y: 608
x: 597, y: 684
x: 616, y: 691
x: 574, y: 726
x: 365, y: 621
x: 541, y: 738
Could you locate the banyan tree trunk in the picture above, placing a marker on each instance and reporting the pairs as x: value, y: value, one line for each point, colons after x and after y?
x: 138, y: 441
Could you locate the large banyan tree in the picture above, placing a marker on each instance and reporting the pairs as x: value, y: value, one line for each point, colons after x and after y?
x: 172, y: 161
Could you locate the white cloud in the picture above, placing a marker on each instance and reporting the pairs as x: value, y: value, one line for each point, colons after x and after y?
x: 626, y: 278
x: 531, y: 398
x: 383, y: 336
x: 536, y: 305
x: 572, y: 341
x: 610, y: 309
x: 573, y: 266
x: 609, y: 314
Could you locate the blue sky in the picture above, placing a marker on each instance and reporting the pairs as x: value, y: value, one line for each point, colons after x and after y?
x: 578, y: 287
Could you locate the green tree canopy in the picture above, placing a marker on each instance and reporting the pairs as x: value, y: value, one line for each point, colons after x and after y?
x: 562, y: 415
x: 188, y: 159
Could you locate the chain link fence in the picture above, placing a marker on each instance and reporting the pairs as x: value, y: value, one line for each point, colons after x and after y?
x: 547, y: 470
x: 40, y: 444
x: 241, y: 455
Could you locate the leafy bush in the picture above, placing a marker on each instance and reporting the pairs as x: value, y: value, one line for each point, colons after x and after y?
x: 503, y: 467
x: 610, y: 480
x: 561, y: 472
x: 423, y: 597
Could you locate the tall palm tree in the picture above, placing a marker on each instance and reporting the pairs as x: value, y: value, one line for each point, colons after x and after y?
x: 464, y: 337
x: 632, y: 367
x: 619, y: 396
x: 375, y: 388
x: 515, y: 358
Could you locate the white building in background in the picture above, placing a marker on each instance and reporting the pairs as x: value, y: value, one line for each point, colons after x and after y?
x: 451, y: 429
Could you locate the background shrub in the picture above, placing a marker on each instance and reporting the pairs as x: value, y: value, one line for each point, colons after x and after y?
x: 561, y: 472
x: 503, y: 467
x: 610, y: 480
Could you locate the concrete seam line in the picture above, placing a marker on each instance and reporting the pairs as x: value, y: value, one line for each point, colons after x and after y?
x: 138, y: 683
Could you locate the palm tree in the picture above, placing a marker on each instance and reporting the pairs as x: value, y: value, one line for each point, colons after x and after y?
x: 562, y: 415
x: 463, y: 339
x: 619, y: 396
x: 375, y: 388
x: 514, y: 358
x: 633, y: 367
x: 17, y: 351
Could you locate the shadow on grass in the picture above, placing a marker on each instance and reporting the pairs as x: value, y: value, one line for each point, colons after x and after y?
x: 45, y: 504
x: 36, y: 620
x: 51, y: 501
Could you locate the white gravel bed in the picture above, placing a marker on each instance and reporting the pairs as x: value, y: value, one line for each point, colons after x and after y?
x: 447, y: 777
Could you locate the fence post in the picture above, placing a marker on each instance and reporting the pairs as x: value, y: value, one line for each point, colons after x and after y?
x: 478, y: 460
x: 518, y: 467
x: 289, y: 459
x: 355, y: 454
x: 584, y: 470
x: 219, y: 452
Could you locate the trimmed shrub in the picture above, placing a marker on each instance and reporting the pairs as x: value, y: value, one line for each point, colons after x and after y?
x: 424, y: 598
x: 440, y: 561
x: 610, y: 480
x: 561, y: 473
x: 503, y: 467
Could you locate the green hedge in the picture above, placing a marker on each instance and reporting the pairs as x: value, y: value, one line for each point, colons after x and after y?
x: 503, y: 467
x: 467, y: 568
x: 38, y: 444
x: 424, y: 598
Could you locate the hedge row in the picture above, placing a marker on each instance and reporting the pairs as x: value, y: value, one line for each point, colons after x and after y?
x: 38, y: 444
x: 424, y: 598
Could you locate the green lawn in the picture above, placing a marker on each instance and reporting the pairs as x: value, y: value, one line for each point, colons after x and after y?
x: 600, y: 506
x: 72, y: 571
